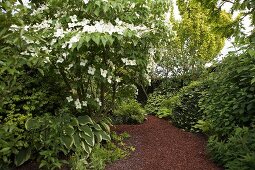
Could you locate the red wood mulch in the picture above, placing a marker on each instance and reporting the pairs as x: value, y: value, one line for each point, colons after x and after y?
x: 161, y: 146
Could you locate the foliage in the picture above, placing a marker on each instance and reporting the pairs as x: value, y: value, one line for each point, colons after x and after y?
x: 88, y: 55
x: 94, y: 47
x: 164, y: 113
x: 235, y: 153
x: 109, y: 152
x: 229, y: 101
x: 130, y: 112
x: 33, y: 97
x: 14, y: 141
x: 195, y: 40
x: 183, y: 106
x: 154, y: 102
x: 49, y: 137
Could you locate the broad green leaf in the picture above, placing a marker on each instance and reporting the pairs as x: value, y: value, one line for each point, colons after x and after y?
x: 4, y: 150
x: 105, y: 126
x: 22, y: 156
x: 105, y: 136
x: 96, y: 38
x: 86, y: 147
x: 68, y: 130
x: 74, y: 122
x: 97, y: 127
x: 90, y: 140
x: 31, y: 123
x: 83, y: 120
x: 98, y: 136
x: 68, y: 141
x: 77, y: 140
x: 86, y: 129
x: 253, y: 81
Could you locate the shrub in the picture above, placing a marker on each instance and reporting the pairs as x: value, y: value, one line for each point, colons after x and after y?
x: 184, y: 108
x: 154, y: 103
x: 229, y: 101
x: 129, y: 112
x: 14, y: 141
x: 237, y: 152
x: 47, y: 137
x: 109, y: 152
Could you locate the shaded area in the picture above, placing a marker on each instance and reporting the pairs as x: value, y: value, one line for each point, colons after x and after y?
x: 160, y: 145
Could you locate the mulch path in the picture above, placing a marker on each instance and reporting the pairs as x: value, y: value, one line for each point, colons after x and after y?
x: 161, y: 146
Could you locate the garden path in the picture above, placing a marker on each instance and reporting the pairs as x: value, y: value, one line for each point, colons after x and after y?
x: 161, y: 146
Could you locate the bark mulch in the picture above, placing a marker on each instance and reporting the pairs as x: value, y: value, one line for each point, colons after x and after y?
x: 161, y: 146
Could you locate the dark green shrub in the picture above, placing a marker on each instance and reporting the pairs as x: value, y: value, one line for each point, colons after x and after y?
x: 154, y: 103
x: 109, y: 152
x: 129, y: 112
x: 237, y: 152
x: 229, y: 101
x: 185, y: 111
x: 47, y: 137
x: 14, y: 141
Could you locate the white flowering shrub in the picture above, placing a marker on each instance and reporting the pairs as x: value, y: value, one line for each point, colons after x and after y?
x: 95, y: 46
x: 98, y: 49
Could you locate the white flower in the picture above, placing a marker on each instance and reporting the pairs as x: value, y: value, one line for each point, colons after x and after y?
x: 75, y: 39
x: 99, y: 102
x: 128, y: 62
x: 118, y: 79
x: 88, y: 95
x: 84, y: 103
x: 69, y: 66
x: 132, y: 62
x: 64, y: 45
x: 73, y: 18
x: 60, y: 60
x: 83, y: 63
x: 86, y: 1
x: 103, y: 72
x: 64, y: 55
x: 69, y: 99
x: 109, y: 79
x: 208, y: 65
x: 77, y: 104
x: 91, y: 70
x: 47, y: 60
x: 59, y: 33
x: 124, y: 60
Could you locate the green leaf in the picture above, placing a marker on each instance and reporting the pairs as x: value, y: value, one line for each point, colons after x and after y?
x: 86, y: 147
x: 90, y: 140
x: 83, y: 120
x: 104, y: 40
x: 96, y: 38
x: 105, y: 136
x: 98, y: 136
x: 106, y: 127
x: 41, y: 71
x: 31, y: 124
x: 86, y: 129
x: 97, y: 127
x: 68, y: 141
x: 77, y: 141
x: 249, y: 107
x: 253, y: 81
x: 74, y: 122
x: 68, y: 130
x: 22, y: 156
x: 4, y: 150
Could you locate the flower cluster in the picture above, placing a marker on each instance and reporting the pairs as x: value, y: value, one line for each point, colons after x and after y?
x: 128, y: 62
